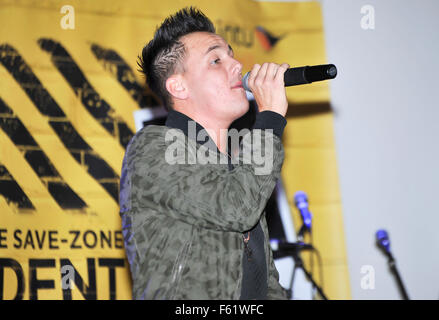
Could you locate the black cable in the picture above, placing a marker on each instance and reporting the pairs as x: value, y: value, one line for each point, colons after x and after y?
x: 320, y: 262
x: 311, y: 261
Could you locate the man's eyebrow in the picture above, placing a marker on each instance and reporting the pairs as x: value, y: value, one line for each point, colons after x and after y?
x: 217, y: 46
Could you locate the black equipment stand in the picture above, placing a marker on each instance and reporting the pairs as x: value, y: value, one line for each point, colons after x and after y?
x: 298, y: 263
x: 394, y: 270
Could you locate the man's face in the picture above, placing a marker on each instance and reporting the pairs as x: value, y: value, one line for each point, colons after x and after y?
x: 213, y: 77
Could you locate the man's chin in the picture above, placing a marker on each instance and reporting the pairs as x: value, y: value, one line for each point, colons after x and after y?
x: 241, y: 110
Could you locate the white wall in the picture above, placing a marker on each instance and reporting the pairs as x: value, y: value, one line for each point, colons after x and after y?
x: 385, y: 100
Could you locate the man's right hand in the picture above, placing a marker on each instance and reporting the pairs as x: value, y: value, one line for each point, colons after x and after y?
x: 268, y: 88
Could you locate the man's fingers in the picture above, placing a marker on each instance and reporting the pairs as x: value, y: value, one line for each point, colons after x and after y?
x: 253, y: 74
x: 262, y: 72
x: 281, y: 70
x: 259, y: 76
x: 266, y: 72
x: 271, y: 71
x: 267, y: 85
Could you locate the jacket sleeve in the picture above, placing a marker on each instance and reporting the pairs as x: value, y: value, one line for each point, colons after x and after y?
x: 207, y: 195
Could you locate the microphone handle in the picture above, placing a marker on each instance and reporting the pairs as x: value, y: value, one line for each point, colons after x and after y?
x: 302, y: 75
x: 308, y: 74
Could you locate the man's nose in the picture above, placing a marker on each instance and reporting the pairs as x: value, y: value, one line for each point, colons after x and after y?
x: 237, y: 68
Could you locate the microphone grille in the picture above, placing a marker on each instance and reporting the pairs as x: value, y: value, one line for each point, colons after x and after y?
x: 245, y: 81
x: 300, y: 196
x: 382, y: 238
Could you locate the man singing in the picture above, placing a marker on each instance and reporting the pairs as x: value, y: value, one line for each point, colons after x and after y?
x: 194, y: 230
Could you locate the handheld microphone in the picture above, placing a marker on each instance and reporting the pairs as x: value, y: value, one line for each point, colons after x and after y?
x: 302, y: 75
x: 301, y: 201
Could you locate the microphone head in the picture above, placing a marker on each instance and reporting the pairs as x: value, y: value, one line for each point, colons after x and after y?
x: 383, y: 241
x: 245, y: 82
x: 301, y: 201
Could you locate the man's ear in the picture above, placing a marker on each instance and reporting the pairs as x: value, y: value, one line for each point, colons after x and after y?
x: 176, y: 87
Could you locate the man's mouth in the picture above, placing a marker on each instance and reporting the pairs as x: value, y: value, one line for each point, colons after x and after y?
x: 237, y: 85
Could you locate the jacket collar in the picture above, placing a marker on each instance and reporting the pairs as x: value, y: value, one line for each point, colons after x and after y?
x: 181, y: 121
x: 186, y: 124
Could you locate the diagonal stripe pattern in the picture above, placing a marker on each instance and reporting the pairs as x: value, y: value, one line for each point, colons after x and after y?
x: 38, y: 160
x: 90, y: 98
x: 118, y: 68
x: 12, y: 191
x: 47, y: 106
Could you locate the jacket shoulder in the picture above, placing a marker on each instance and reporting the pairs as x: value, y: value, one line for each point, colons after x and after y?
x: 151, y: 133
x: 150, y: 138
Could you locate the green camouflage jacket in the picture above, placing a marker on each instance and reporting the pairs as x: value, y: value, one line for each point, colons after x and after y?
x: 183, y: 222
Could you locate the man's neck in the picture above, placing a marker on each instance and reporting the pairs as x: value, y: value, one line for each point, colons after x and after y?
x: 216, y: 129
